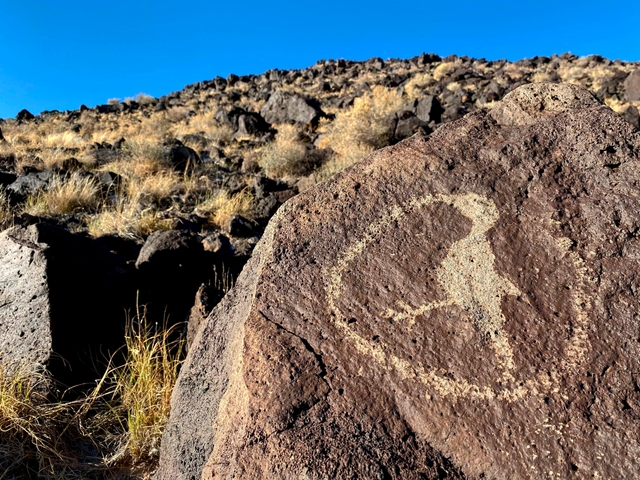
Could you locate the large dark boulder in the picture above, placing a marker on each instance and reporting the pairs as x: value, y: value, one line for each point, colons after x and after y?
x: 283, y: 107
x: 429, y: 109
x: 24, y: 115
x: 458, y: 306
x: 30, y: 184
x: 64, y: 301
x: 179, y: 156
x: 172, y: 265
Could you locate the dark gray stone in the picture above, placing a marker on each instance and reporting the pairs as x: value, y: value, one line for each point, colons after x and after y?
x: 632, y: 86
x: 284, y: 107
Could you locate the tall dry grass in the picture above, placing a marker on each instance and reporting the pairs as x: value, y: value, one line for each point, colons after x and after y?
x: 65, y: 195
x: 285, y: 156
x: 113, y: 431
x: 361, y: 129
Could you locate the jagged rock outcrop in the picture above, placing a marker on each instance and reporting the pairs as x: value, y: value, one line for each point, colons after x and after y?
x: 463, y: 305
x: 64, y: 301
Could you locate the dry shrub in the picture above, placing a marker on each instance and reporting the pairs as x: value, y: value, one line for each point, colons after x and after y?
x: 177, y: 114
x: 362, y: 128
x: 127, y: 219
x: 541, y: 76
x: 446, y: 68
x: 28, y: 423
x: 285, y: 155
x: 157, y: 187
x: 112, y: 431
x: 63, y: 140
x: 144, y: 385
x: 65, y: 195
x: 6, y: 215
x: 222, y: 206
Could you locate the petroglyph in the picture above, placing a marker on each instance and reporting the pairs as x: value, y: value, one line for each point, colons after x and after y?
x: 468, y: 279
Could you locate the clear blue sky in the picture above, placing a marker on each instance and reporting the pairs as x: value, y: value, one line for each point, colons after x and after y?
x: 59, y: 55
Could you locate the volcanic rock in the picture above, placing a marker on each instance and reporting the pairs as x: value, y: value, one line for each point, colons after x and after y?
x: 24, y: 115
x: 428, y: 109
x: 458, y: 306
x: 632, y: 86
x: 30, y: 184
x: 283, y: 107
x: 64, y: 301
x: 172, y: 264
x: 179, y: 156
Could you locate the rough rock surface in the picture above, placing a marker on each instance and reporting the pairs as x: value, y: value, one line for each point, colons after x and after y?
x: 463, y: 305
x: 283, y: 107
x: 64, y: 299
x: 632, y: 86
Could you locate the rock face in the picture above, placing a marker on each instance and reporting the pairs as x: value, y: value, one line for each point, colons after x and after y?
x: 64, y: 299
x: 632, y: 86
x: 283, y: 107
x: 463, y: 305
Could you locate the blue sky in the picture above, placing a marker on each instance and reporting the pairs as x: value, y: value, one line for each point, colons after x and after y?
x: 59, y: 55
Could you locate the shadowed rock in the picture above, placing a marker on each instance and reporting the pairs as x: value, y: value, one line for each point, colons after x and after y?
x: 458, y: 306
x: 64, y: 301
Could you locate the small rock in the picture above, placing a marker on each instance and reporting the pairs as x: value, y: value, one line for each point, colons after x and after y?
x: 71, y: 165
x: 631, y: 115
x: 207, y: 297
x: 179, y: 156
x: 632, y: 86
x: 241, y: 227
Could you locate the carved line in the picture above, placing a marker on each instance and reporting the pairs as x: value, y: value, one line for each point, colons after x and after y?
x: 483, y: 214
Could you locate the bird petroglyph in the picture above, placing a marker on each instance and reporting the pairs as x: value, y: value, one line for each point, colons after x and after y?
x: 468, y: 280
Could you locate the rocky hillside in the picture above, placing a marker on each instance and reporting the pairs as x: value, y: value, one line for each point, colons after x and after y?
x: 243, y: 145
x: 153, y: 207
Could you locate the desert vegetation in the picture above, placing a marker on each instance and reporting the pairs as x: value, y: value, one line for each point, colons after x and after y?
x: 112, y: 430
x: 200, y: 159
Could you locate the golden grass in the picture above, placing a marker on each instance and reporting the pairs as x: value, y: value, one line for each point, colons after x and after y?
x: 364, y: 127
x: 220, y: 207
x: 144, y: 384
x: 113, y: 431
x: 285, y: 155
x: 446, y: 68
x: 126, y: 219
x: 65, y: 195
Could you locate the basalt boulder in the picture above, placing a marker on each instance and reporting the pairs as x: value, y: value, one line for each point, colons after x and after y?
x: 64, y: 302
x: 283, y: 107
x: 463, y: 305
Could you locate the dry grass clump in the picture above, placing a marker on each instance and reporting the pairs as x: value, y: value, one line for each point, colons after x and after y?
x: 63, y: 140
x: 156, y: 188
x: 285, y: 155
x: 220, y: 207
x: 65, y: 195
x: 361, y: 129
x: 128, y: 219
x: 143, y: 387
x: 446, y: 68
x: 113, y: 431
